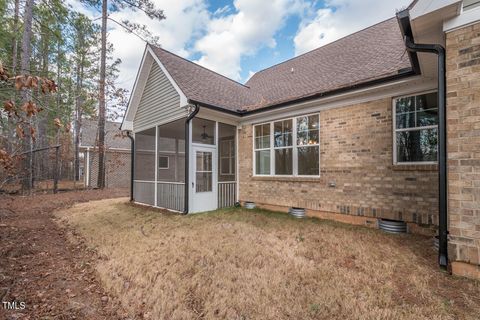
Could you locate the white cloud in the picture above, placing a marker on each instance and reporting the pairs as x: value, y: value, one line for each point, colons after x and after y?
x: 339, y: 18
x: 185, y: 20
x: 80, y: 7
x: 222, y: 38
x: 233, y: 36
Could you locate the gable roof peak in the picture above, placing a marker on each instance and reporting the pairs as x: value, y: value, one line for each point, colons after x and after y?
x: 196, y: 64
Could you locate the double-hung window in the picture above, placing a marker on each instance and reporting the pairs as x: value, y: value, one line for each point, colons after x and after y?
x: 262, y: 149
x: 288, y: 147
x: 308, y: 147
x: 416, y: 129
x: 283, y: 147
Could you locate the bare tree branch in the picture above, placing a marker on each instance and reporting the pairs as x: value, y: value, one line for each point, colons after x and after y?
x: 135, y: 29
x: 143, y: 5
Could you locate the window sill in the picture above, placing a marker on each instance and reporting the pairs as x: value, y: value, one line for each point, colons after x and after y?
x: 415, y: 167
x: 286, y: 179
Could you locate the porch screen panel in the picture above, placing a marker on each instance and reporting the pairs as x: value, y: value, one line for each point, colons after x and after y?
x: 203, y: 131
x: 226, y: 165
x: 226, y: 152
x: 144, y: 174
x: 171, y: 165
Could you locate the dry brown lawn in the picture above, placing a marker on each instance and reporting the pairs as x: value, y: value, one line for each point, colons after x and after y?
x: 239, y: 264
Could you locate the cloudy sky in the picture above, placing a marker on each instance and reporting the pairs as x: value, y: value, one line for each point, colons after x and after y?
x: 237, y: 38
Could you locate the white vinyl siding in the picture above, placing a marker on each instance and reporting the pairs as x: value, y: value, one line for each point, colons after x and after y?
x: 160, y: 101
x: 470, y: 4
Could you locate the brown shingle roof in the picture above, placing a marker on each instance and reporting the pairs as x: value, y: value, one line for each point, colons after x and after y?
x: 374, y: 53
x: 371, y: 54
x: 113, y: 136
x: 204, y: 85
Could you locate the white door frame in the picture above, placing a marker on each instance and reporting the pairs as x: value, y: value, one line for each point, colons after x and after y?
x: 203, y: 201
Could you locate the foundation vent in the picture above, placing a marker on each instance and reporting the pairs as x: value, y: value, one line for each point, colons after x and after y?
x: 297, y: 212
x: 392, y: 226
x: 249, y: 205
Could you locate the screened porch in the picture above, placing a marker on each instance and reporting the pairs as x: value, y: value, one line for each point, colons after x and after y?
x: 159, y: 172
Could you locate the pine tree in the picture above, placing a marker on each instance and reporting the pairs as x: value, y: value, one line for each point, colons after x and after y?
x: 25, y: 68
x: 84, y: 35
x: 149, y: 9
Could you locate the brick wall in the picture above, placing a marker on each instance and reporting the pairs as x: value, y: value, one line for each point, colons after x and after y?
x: 463, y: 116
x: 117, y: 173
x: 356, y: 154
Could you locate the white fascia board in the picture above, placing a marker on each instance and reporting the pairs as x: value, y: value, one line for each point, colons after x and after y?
x: 127, y: 125
x: 465, y: 18
x: 424, y: 7
x: 138, y: 87
x: 214, y: 115
x: 398, y: 88
x: 183, y: 98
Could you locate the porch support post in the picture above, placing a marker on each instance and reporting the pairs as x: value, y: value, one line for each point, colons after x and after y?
x: 217, y: 167
x: 237, y: 178
x: 132, y: 164
x: 187, y: 156
x: 156, y: 165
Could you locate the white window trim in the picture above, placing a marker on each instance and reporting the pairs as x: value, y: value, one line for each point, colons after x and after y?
x: 262, y: 149
x: 395, y: 130
x: 168, y: 162
x: 294, y: 146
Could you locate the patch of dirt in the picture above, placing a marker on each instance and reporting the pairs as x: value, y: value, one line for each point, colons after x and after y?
x: 54, y: 277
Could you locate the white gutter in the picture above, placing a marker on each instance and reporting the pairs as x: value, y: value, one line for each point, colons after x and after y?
x: 466, y: 18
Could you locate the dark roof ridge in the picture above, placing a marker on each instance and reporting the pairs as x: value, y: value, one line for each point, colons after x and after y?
x: 198, y: 65
x: 326, y: 45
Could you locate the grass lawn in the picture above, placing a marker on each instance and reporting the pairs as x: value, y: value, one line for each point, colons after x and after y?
x: 241, y: 264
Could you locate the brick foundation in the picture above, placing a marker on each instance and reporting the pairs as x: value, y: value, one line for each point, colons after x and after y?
x: 349, y: 219
x: 464, y: 269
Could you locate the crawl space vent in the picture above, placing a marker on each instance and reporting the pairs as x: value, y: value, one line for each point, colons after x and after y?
x: 392, y: 226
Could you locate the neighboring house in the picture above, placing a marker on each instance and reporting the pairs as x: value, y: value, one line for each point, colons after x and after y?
x: 117, y: 155
x: 349, y: 131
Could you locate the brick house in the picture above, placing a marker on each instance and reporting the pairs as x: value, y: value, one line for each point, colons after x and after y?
x: 117, y: 155
x: 354, y: 131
